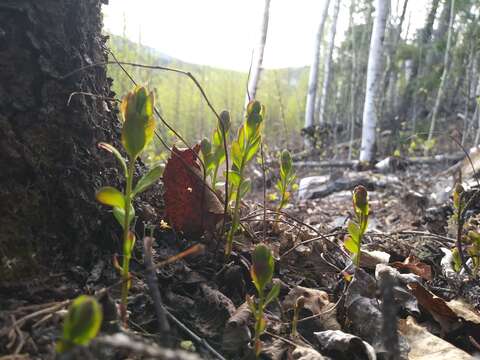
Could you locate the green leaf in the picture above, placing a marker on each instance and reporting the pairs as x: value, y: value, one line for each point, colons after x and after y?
x: 119, y: 214
x: 234, y: 178
x: 253, y: 149
x: 273, y: 294
x: 139, y: 125
x: 262, y: 268
x: 205, y: 147
x: 353, y: 229
x: 236, y: 154
x: 351, y: 245
x: 245, y: 188
x: 111, y: 149
x: 224, y: 121
x: 360, y: 200
x: 148, y: 179
x: 286, y: 162
x: 457, y: 261
x: 82, y: 323
x: 110, y: 196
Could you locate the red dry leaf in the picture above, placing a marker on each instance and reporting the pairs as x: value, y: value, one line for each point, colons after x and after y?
x: 190, y: 206
x: 415, y: 266
x: 436, y: 306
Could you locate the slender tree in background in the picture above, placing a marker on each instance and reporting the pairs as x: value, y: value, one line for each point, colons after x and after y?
x: 374, y: 71
x: 323, y: 96
x: 352, y: 80
x: 441, y: 88
x: 257, y: 66
x: 313, y: 77
x: 410, y: 92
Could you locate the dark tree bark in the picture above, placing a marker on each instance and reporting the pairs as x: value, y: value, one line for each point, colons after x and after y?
x: 50, y: 166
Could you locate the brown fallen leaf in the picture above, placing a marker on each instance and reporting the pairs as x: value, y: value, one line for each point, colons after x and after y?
x: 190, y: 205
x: 426, y: 346
x: 437, y: 307
x: 414, y: 265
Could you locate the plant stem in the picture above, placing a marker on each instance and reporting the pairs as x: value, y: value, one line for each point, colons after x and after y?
x: 235, y: 220
x: 126, y: 252
x: 258, y: 325
x: 229, y: 246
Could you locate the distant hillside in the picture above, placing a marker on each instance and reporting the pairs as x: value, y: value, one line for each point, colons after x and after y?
x: 282, y: 91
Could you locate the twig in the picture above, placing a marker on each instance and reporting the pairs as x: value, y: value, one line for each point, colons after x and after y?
x: 20, y: 322
x: 329, y: 310
x: 389, y: 312
x: 281, y: 338
x: 468, y: 157
x: 421, y: 233
x: 151, y: 278
x: 195, y: 249
x: 320, y: 237
x: 91, y: 95
x: 194, y: 336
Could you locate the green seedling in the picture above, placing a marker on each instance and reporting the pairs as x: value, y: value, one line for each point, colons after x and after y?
x: 82, y: 323
x: 137, y: 132
x: 261, y: 271
x: 471, y: 240
x: 299, y: 304
x: 454, y: 222
x: 358, y: 225
x: 242, y: 151
x: 287, y: 176
x: 473, y: 250
x: 213, y: 152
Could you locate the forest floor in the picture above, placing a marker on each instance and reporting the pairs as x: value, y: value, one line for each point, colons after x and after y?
x: 405, y: 300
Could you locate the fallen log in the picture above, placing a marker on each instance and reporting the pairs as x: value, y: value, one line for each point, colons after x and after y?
x: 408, y: 161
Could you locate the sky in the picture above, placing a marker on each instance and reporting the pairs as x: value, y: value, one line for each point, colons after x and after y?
x: 223, y: 33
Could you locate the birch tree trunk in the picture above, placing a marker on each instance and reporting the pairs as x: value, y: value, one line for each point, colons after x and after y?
x: 313, y: 77
x: 257, y: 67
x: 328, y: 64
x: 353, y: 81
x: 441, y: 87
x: 374, y: 72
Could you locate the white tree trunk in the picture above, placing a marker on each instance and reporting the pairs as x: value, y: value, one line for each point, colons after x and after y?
x: 443, y: 80
x: 258, y: 58
x: 374, y: 72
x: 328, y: 64
x: 313, y: 78
x: 353, y: 80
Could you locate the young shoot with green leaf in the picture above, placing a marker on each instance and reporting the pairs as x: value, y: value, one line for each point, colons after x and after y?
x: 261, y: 271
x: 358, y: 225
x: 213, y: 152
x: 243, y: 150
x: 137, y: 132
x: 82, y: 323
x: 287, y: 176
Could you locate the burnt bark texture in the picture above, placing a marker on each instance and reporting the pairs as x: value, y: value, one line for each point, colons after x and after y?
x: 50, y: 166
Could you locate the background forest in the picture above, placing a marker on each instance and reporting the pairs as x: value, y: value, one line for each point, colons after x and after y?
x: 411, y: 91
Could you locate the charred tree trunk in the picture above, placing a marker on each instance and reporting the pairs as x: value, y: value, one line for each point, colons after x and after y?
x: 50, y: 165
